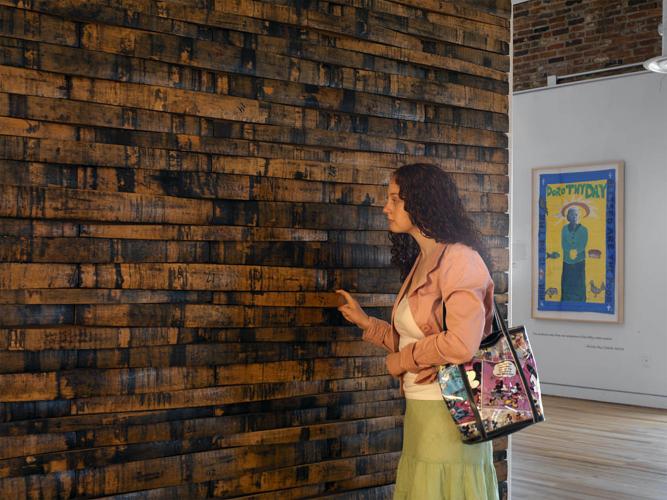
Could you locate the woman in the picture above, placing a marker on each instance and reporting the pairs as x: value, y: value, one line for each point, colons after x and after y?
x: 439, y: 253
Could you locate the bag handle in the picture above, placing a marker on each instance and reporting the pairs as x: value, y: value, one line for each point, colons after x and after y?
x: 498, y: 327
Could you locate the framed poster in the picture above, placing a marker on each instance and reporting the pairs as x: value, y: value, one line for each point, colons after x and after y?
x: 577, y: 242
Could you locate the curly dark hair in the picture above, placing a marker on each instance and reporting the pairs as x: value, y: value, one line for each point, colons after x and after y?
x: 433, y: 203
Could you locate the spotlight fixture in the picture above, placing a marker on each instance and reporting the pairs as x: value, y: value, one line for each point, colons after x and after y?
x: 659, y: 64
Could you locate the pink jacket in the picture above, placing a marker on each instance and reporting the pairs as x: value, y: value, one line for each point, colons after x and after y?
x: 458, y: 274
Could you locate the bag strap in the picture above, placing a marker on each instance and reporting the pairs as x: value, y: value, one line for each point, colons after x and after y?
x: 499, y: 327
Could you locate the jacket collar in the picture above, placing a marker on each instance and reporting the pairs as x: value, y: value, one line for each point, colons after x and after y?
x: 431, y: 263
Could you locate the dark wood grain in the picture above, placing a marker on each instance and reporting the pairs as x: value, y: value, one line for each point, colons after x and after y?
x: 183, y: 185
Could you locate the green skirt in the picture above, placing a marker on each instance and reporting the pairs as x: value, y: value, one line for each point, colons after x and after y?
x: 435, y: 464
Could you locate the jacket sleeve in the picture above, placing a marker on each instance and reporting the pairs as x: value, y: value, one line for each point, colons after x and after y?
x: 467, y: 289
x: 380, y: 333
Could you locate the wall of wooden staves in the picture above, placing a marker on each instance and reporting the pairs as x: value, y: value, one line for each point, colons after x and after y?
x: 183, y: 185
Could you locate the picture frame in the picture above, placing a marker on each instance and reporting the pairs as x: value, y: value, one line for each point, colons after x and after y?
x: 577, y: 242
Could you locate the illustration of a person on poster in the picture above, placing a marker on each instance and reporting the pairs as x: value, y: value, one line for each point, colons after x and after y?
x: 574, y: 238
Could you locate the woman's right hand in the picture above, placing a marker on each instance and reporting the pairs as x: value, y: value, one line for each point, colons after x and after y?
x: 352, y: 311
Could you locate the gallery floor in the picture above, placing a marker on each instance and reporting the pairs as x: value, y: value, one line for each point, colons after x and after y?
x: 591, y: 450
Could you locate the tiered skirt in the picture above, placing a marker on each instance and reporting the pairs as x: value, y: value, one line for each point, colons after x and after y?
x: 435, y: 464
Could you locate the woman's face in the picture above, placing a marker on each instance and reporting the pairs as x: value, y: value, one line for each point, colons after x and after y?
x: 399, y: 219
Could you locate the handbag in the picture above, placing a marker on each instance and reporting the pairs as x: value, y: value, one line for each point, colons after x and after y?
x: 497, y: 392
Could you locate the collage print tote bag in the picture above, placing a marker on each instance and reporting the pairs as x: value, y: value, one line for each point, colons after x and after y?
x: 497, y: 392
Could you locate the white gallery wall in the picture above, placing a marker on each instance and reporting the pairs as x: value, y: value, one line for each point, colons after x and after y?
x: 622, y: 118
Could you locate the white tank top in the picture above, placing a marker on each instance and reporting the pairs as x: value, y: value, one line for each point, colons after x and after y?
x: 410, y: 332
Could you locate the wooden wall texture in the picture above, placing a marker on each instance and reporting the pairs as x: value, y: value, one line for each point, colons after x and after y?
x: 183, y: 184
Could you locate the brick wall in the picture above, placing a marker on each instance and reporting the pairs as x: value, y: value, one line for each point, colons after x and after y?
x: 561, y: 37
